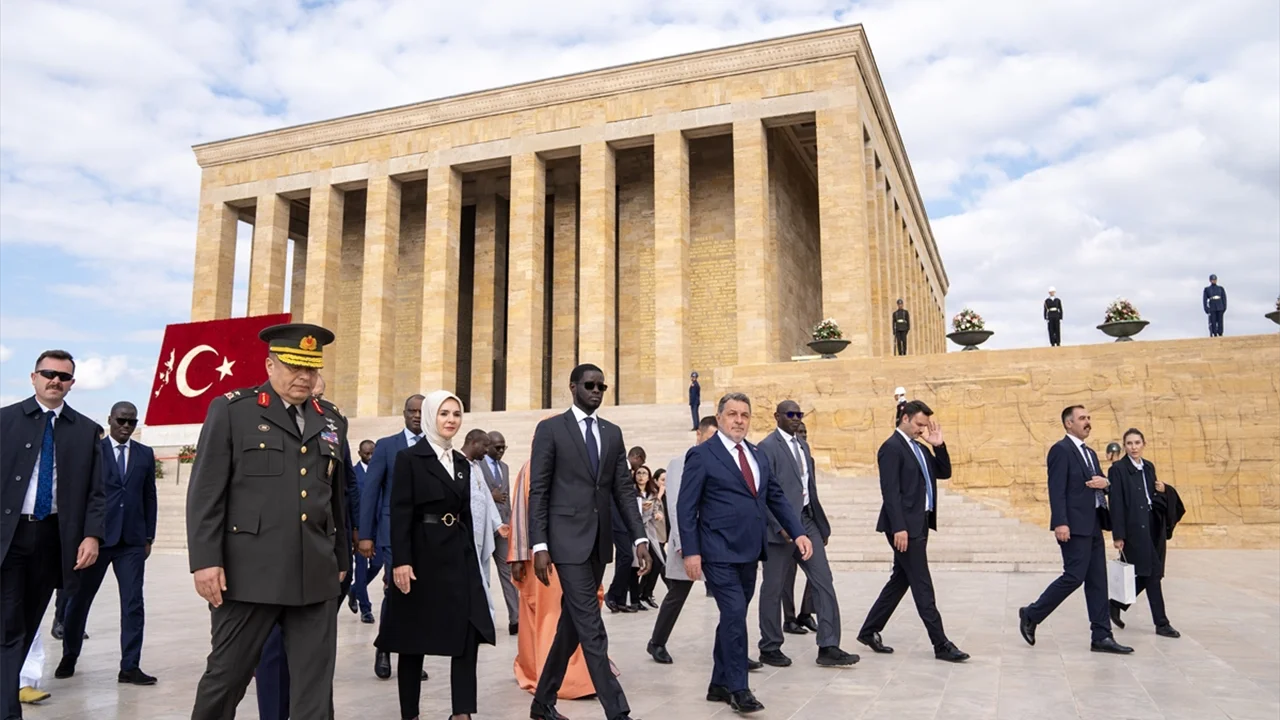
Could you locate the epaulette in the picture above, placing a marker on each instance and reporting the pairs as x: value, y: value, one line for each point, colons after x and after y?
x: 236, y: 395
x: 328, y: 406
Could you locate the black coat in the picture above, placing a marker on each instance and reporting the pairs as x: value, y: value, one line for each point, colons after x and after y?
x: 448, y: 594
x: 80, y: 496
x: 1053, y: 308
x: 1144, y: 527
x: 901, y: 321
x: 902, y: 486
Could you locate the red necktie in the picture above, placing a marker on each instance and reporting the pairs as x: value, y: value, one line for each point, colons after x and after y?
x: 746, y: 470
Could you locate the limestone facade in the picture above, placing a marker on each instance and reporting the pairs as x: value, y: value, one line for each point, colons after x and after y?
x: 694, y: 212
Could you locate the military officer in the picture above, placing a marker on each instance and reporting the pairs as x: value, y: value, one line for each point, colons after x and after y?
x: 1215, y: 305
x: 265, y: 527
x: 1053, y: 316
x: 901, y: 326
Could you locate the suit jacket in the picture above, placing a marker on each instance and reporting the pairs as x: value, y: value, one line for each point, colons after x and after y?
x: 130, y: 500
x: 719, y: 518
x: 375, y: 496
x: 902, y: 486
x: 1134, y: 519
x: 502, y: 483
x: 354, y: 488
x: 1053, y: 308
x: 1215, y: 298
x: 901, y: 321
x: 674, y: 551
x: 561, y: 486
x: 79, y: 493
x: 1071, y: 502
x: 782, y: 465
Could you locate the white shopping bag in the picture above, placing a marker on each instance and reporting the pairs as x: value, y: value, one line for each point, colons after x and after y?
x: 1121, y: 582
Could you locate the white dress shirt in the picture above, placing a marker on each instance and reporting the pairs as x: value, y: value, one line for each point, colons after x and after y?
x: 33, y: 483
x: 444, y: 456
x: 411, y: 439
x: 1088, y: 463
x: 732, y: 446
x: 364, y: 466
x: 918, y: 452
x: 115, y: 452
x: 794, y: 448
x: 1142, y: 470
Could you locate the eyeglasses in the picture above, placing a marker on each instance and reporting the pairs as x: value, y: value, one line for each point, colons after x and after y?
x: 51, y: 374
x: 592, y: 385
x: 127, y: 422
x: 793, y: 415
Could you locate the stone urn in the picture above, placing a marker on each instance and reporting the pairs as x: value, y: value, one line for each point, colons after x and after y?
x: 828, y: 348
x: 970, y: 339
x: 1123, y: 330
x: 1274, y: 316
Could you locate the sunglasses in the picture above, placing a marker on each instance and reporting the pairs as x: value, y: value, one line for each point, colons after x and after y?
x: 793, y: 415
x: 55, y: 374
x: 591, y: 386
x: 127, y: 422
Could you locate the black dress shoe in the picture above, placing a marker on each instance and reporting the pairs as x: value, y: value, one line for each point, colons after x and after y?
x: 351, y: 603
x: 1167, y: 631
x: 807, y: 621
x: 366, y: 618
x: 950, y: 653
x: 66, y: 668
x: 513, y: 629
x: 637, y: 607
x: 775, y: 658
x: 718, y: 693
x: 873, y: 641
x: 650, y: 602
x: 613, y: 606
x: 1116, y: 609
x: 538, y: 711
x: 792, y: 627
x: 835, y: 657
x: 382, y: 665
x: 1109, y: 645
x: 56, y: 632
x: 754, y: 664
x: 659, y: 653
x: 744, y: 702
x: 135, y: 677
x: 1026, y: 627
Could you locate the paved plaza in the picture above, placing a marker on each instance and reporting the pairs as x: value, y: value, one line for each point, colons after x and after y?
x: 1226, y: 665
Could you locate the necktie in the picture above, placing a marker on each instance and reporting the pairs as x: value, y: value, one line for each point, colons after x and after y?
x: 44, y: 483
x: 746, y: 469
x: 413, y: 440
x: 295, y: 417
x: 120, y: 462
x: 800, y: 467
x: 593, y: 452
x: 1098, y: 500
x: 924, y: 470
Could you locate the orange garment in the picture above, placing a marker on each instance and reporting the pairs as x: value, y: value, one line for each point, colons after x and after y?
x: 540, y: 608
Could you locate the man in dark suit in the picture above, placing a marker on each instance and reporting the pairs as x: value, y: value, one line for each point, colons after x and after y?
x: 789, y: 465
x: 901, y: 326
x: 266, y: 534
x: 1215, y: 305
x: 727, y: 495
x: 54, y: 509
x: 1078, y: 514
x: 615, y: 597
x: 365, y: 568
x: 577, y: 474
x: 1053, y: 316
x: 802, y: 623
x: 375, y: 509
x: 498, y: 477
x: 909, y: 510
x: 695, y: 398
x: 129, y: 479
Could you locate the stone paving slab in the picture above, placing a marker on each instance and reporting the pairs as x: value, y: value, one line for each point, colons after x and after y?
x: 1225, y: 666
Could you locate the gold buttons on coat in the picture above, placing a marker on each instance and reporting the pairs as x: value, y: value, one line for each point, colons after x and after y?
x: 304, y: 471
x: 262, y: 446
x: 304, y: 449
x: 235, y: 529
x: 304, y: 517
x: 304, y: 493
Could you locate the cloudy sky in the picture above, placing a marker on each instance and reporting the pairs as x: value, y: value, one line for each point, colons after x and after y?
x: 1103, y: 147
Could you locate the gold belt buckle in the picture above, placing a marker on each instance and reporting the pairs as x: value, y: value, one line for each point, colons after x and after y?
x: 449, y: 519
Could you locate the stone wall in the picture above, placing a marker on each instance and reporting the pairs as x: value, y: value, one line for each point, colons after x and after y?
x: 635, y: 277
x: 712, y: 271
x: 408, y: 288
x: 793, y: 220
x: 342, y: 363
x: 1210, y: 409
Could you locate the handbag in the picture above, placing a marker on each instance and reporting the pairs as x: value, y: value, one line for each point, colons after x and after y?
x: 1122, y: 582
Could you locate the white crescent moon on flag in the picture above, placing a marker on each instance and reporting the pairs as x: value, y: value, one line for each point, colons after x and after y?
x: 183, y: 387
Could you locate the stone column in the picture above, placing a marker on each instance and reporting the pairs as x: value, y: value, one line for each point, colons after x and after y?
x: 440, y: 252
x: 526, y: 270
x: 377, y: 296
x: 298, y: 278
x: 564, y: 291
x: 215, y: 262
x: 483, y: 297
x: 270, y: 251
x: 756, y: 267
x: 597, y: 262
x: 846, y: 286
x: 875, y: 233
x: 671, y: 266
x: 324, y: 256
x: 884, y: 220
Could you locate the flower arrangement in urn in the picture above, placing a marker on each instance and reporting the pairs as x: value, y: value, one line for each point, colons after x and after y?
x: 827, y: 330
x: 1121, y: 310
x: 968, y: 321
x: 828, y: 339
x: 1122, y: 320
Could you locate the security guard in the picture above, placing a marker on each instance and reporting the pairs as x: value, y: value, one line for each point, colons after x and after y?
x: 1053, y: 316
x: 901, y: 326
x: 265, y: 521
x: 1215, y: 305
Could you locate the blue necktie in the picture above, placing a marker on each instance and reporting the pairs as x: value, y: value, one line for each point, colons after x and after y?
x: 924, y: 469
x: 44, y: 483
x: 120, y: 463
x: 593, y: 452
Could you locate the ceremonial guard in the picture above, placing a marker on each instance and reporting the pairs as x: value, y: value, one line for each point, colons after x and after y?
x: 265, y: 527
x: 901, y: 326
x: 1215, y: 305
x: 1053, y: 316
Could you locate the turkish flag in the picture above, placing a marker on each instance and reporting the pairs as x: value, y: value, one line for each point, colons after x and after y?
x: 202, y: 360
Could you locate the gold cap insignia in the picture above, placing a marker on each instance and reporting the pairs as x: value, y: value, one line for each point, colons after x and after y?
x: 307, y: 343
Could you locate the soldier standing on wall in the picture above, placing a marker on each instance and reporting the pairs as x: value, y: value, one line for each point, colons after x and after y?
x: 901, y: 326
x: 1053, y: 316
x: 1215, y: 305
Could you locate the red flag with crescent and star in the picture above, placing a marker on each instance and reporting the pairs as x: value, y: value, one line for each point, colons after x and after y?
x: 202, y: 360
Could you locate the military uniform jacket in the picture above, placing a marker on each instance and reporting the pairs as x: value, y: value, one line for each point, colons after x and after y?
x: 265, y: 502
x: 1053, y: 308
x: 901, y: 321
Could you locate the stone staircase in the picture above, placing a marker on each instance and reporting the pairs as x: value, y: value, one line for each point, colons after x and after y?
x: 971, y: 535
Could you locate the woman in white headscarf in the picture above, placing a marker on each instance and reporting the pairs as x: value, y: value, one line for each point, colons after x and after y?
x: 439, y: 605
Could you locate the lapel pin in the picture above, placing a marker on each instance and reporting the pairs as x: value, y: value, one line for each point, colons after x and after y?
x: 264, y: 428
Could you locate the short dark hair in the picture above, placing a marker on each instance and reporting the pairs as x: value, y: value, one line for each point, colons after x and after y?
x: 637, y: 451
x: 576, y: 376
x: 1133, y: 431
x: 912, y: 408
x: 411, y: 398
x: 123, y: 405
x: 708, y: 422
x: 57, y: 355
x: 476, y: 434
x: 1068, y: 411
x: 735, y: 397
x: 367, y: 442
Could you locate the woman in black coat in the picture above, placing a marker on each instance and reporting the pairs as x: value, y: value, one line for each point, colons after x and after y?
x: 439, y: 606
x: 1141, y: 523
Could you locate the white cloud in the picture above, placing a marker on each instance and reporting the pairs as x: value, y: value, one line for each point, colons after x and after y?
x: 5, y: 354
x: 99, y: 373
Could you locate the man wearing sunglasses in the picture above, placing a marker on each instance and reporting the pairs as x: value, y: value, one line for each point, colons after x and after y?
x: 129, y: 479
x: 52, y: 522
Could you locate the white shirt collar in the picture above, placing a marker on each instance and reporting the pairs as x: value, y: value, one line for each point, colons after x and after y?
x: 904, y: 435
x: 786, y: 437
x: 1136, y: 463
x: 57, y: 412
x: 115, y: 444
x: 1079, y: 443
x: 364, y: 465
x: 409, y: 437
x: 729, y: 444
x: 438, y: 450
x: 579, y: 414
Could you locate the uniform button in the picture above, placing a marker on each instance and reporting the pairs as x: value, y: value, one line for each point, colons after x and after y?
x: 235, y: 528
x: 28, y: 446
x: 304, y: 471
x: 304, y: 449
x: 304, y: 517
x: 262, y: 446
x: 304, y: 493
x: 7, y: 511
